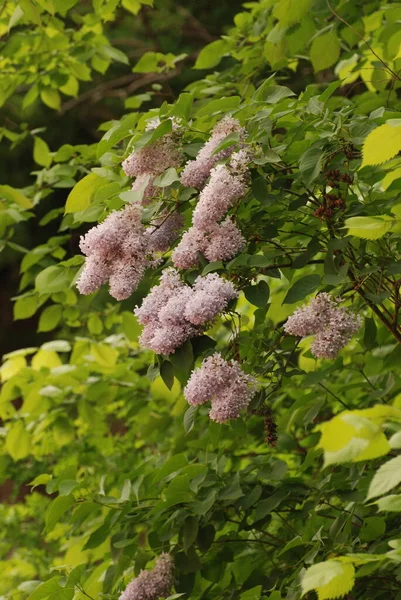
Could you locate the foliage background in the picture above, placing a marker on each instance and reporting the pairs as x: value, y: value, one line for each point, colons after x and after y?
x: 102, y: 464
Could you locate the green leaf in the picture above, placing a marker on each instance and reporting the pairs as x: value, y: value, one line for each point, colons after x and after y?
x: 272, y: 93
x: 51, y: 98
x: 182, y: 108
x: 166, y: 178
x: 18, y: 441
x: 368, y: 228
x: 45, y: 589
x: 325, y: 51
x: 382, y: 144
x: 131, y: 328
x: 310, y: 164
x: 149, y: 63
x: 14, y: 195
x: 302, y: 288
x: 95, y: 324
x: 104, y: 354
x: 51, y: 280
x: 41, y: 152
x: 50, y: 317
x: 211, y: 55
x: 25, y: 307
x: 386, y: 478
x: 390, y: 503
x: 373, y: 528
x: 56, y: 509
x: 167, y: 373
x: 352, y: 436
x: 252, y: 594
x: 258, y: 294
x: 189, y: 418
x: 289, y: 12
x: 220, y: 105
x: 330, y: 579
x: 82, y: 193
x: 189, y: 532
x: 15, y: 17
x: 113, y: 54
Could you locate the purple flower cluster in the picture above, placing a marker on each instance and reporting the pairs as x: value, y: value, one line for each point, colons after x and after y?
x: 173, y: 311
x: 332, y: 325
x: 216, y: 241
x: 120, y: 249
x: 154, y: 584
x: 222, y: 383
x: 151, y: 160
x: 197, y: 171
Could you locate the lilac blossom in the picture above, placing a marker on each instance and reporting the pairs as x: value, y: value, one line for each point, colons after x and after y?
x: 164, y: 231
x: 154, y: 584
x: 117, y: 251
x: 225, y: 241
x: 174, y: 312
x: 223, y: 189
x: 197, y: 171
x: 211, y: 296
x: 332, y: 325
x: 222, y: 383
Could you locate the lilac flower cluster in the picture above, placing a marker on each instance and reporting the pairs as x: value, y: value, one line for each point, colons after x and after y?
x: 173, y: 311
x: 120, y: 249
x: 197, y: 171
x: 222, y: 383
x: 154, y: 584
x: 332, y: 325
x: 217, y: 241
x: 151, y: 160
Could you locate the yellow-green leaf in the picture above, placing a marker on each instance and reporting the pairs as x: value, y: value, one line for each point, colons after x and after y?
x: 330, y: 579
x: 82, y: 193
x: 41, y: 153
x: 381, y: 144
x: 11, y: 367
x: 51, y: 98
x: 391, y: 503
x: 289, y: 12
x: 369, y: 228
x: 386, y: 478
x: 14, y: 195
x: 211, y: 55
x: 390, y: 177
x: 18, y: 442
x: 325, y: 51
x: 104, y: 354
x: 45, y: 358
x: 351, y: 437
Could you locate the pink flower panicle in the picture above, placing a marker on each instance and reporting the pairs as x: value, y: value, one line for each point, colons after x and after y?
x: 154, y: 158
x: 311, y: 318
x: 333, y: 326
x: 116, y: 251
x: 211, y: 295
x: 120, y: 249
x: 222, y: 242
x: 164, y: 231
x: 219, y: 195
x: 173, y: 311
x: 222, y: 383
x: 154, y: 584
x: 151, y: 160
x: 186, y: 254
x: 225, y: 241
x: 216, y: 241
x: 169, y: 286
x: 197, y: 171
